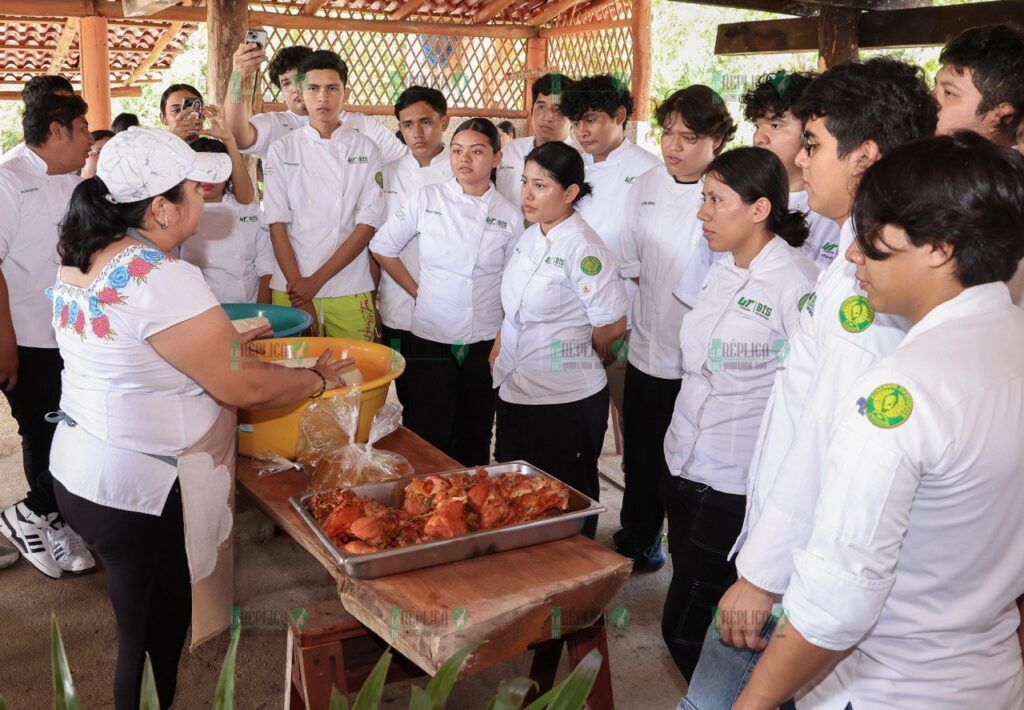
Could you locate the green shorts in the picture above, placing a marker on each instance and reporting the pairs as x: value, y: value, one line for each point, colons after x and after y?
x: 342, y: 316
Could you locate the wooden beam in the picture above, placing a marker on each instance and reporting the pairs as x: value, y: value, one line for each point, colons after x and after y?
x: 640, y: 78
x: 891, y: 29
x: 536, y: 61
x: 800, y: 8
x: 407, y: 8
x: 227, y: 22
x: 566, y: 30
x: 491, y: 10
x: 312, y: 7
x: 596, y: 11
x: 67, y: 36
x: 837, y: 36
x: 120, y: 92
x: 154, y: 54
x: 53, y: 47
x: 551, y: 11
x: 95, y: 64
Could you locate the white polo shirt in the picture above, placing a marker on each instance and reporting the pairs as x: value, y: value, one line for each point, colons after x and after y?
x: 662, y: 242
x: 556, y: 289
x: 822, y: 244
x: 403, y: 177
x: 732, y: 342
x: 839, y: 337
x: 513, y: 161
x: 916, y: 558
x: 464, y: 243
x: 32, y: 204
x: 274, y: 125
x: 232, y: 249
x: 322, y: 188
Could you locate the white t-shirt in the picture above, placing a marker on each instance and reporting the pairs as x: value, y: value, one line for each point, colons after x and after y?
x: 126, y: 399
x: 32, y: 204
x: 14, y: 152
x: 232, y: 249
x: 822, y: 245
x: 274, y: 125
x: 556, y: 289
x: 513, y: 160
x: 322, y: 188
x: 402, y: 178
x: 465, y: 243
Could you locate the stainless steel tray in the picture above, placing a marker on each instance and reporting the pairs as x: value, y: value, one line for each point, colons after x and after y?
x: 463, y: 547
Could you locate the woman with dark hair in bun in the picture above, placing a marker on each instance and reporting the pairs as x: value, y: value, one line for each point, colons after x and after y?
x: 564, y: 307
x: 732, y: 342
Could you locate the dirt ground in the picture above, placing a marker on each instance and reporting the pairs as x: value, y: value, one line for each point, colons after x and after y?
x: 273, y: 574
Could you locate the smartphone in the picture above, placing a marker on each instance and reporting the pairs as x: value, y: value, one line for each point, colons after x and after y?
x: 193, y: 106
x: 258, y: 37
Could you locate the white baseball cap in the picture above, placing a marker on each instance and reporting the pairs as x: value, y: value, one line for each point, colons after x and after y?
x: 146, y: 162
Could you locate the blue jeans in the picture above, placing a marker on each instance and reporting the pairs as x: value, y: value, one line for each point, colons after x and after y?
x: 722, y: 673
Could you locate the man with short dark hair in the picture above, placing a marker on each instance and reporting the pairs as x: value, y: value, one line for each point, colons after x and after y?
x: 39, y: 87
x: 35, y: 188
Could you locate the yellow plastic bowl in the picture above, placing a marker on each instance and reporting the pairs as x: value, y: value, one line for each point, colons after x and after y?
x: 277, y: 430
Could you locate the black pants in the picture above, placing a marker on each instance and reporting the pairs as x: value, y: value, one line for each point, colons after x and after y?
x: 37, y: 392
x: 703, y: 524
x: 564, y: 440
x: 449, y: 398
x: 647, y: 408
x: 398, y: 340
x: 148, y: 584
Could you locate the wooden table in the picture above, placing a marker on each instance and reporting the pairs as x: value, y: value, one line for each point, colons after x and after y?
x: 507, y: 599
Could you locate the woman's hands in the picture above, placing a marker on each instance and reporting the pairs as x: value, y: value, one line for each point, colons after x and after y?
x: 331, y: 370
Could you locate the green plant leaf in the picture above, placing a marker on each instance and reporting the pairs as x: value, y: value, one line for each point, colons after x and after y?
x: 511, y: 695
x: 370, y: 694
x: 148, y: 698
x: 3, y: 703
x: 338, y: 701
x: 420, y: 699
x: 440, y: 686
x: 64, y: 695
x: 574, y: 690
x: 225, y: 697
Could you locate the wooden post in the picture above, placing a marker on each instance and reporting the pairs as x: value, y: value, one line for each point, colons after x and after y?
x: 95, y: 64
x: 536, y: 60
x: 227, y: 22
x: 837, y: 36
x: 640, y: 30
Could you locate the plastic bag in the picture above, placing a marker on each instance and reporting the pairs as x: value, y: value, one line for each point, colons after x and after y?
x: 328, y: 450
x: 267, y: 462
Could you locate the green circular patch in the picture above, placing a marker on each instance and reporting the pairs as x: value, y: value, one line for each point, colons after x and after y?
x: 803, y: 301
x: 591, y: 265
x: 856, y: 314
x: 379, y: 177
x: 889, y: 406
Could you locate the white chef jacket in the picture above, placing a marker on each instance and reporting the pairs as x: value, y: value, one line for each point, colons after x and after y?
x: 274, y: 125
x: 917, y: 552
x: 825, y: 360
x: 822, y: 244
x: 403, y: 177
x: 465, y: 243
x: 661, y: 243
x: 1016, y: 285
x: 322, y: 188
x: 32, y: 204
x: 556, y: 289
x: 513, y: 161
x: 126, y: 399
x: 14, y: 152
x: 232, y: 249
x: 732, y: 342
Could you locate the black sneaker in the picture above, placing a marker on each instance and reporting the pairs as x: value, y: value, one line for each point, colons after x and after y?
x: 650, y: 560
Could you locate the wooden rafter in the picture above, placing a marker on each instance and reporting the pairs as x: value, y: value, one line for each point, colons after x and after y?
x: 551, y: 11
x: 781, y: 7
x: 149, y: 60
x: 312, y: 7
x: 491, y: 10
x: 596, y: 11
x: 53, y: 48
x: 407, y: 8
x: 67, y: 37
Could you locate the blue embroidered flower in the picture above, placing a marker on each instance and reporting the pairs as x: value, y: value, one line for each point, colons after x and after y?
x: 57, y: 306
x: 94, y: 307
x: 119, y: 277
x: 49, y: 293
x: 151, y: 255
x: 72, y: 311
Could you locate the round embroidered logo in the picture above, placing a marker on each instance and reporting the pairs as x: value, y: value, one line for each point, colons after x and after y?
x: 591, y: 265
x: 803, y: 301
x: 856, y: 314
x: 889, y: 406
x: 379, y: 178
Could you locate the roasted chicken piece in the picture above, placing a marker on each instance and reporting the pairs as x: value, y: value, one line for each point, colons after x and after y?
x: 489, y: 502
x: 422, y: 493
x: 337, y: 511
x: 447, y: 520
x: 360, y: 547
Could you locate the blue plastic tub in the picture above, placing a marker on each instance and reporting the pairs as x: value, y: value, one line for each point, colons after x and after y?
x: 285, y: 321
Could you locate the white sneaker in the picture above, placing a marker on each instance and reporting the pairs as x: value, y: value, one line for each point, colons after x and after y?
x: 69, y: 549
x: 8, y: 556
x: 30, y: 533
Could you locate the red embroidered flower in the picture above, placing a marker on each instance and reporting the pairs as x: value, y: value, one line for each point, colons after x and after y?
x: 101, y: 326
x: 63, y: 316
x: 138, y: 268
x: 80, y: 323
x: 109, y: 295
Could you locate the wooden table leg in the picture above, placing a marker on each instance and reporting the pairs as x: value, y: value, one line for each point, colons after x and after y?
x: 582, y: 642
x: 322, y: 667
x: 546, y: 656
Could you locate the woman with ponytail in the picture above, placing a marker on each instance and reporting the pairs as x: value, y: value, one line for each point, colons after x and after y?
x: 732, y: 342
